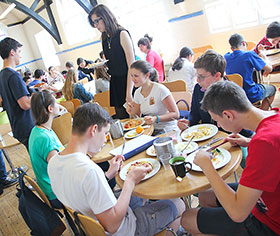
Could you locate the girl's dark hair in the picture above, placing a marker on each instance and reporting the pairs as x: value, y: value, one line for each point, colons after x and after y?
x: 145, y: 42
x: 148, y: 37
x: 40, y: 102
x: 145, y: 67
x: 184, y: 53
x: 110, y: 21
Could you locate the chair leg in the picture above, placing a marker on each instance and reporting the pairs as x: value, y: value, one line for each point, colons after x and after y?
x: 235, y: 176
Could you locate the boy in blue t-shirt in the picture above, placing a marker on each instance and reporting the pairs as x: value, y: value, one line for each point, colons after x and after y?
x: 243, y: 62
x: 13, y: 91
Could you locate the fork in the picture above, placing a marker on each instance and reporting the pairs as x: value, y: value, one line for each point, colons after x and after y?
x: 124, y: 141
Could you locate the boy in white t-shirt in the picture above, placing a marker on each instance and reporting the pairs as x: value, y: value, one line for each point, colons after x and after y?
x: 81, y: 184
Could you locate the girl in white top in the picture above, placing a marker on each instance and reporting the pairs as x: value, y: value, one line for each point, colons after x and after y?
x: 183, y: 69
x: 153, y: 100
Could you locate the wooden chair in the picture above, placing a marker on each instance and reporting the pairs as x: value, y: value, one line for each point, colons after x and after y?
x: 103, y: 99
x: 251, y: 45
x: 68, y: 105
x: 92, y: 227
x: 76, y: 103
x: 38, y: 190
x: 200, y: 50
x: 236, y: 78
x: 186, y: 96
x: 176, y: 86
x: 83, y: 81
x: 62, y: 126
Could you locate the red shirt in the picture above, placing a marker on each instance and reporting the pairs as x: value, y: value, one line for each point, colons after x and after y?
x: 155, y: 60
x: 264, y: 41
x: 262, y: 170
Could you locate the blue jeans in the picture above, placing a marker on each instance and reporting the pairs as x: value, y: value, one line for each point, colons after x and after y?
x: 3, y: 173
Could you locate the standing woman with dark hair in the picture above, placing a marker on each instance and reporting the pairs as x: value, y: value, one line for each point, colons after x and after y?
x: 43, y: 142
x: 152, y: 57
x: 183, y: 69
x: 118, y: 49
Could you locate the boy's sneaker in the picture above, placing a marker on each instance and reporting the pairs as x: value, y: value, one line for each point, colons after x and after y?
x: 9, y: 182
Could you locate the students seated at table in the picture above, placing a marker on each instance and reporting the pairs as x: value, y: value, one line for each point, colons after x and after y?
x: 102, y: 81
x: 43, y: 142
x: 81, y: 75
x: 38, y: 75
x: 183, y: 69
x: 55, y: 77
x: 85, y: 66
x: 152, y: 100
x: 253, y: 206
x: 210, y: 68
x: 73, y: 89
x: 271, y: 40
x: 152, y: 57
x: 85, y: 188
x: 243, y: 62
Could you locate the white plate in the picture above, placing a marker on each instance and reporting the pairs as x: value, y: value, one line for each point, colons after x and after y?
x: 132, y: 134
x: 126, y: 129
x: 97, y: 64
x: 271, y: 52
x: 222, y: 159
x: 180, y: 146
x: 151, y: 151
x: 187, y: 134
x: 155, y: 163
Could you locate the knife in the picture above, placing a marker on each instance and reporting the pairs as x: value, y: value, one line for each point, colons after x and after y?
x: 214, y: 140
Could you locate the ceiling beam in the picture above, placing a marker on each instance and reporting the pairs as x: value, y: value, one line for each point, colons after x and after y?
x: 87, y: 5
x: 51, y: 28
x: 34, y: 4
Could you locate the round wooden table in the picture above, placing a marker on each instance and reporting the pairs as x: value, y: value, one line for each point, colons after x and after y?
x: 104, y: 154
x: 163, y: 185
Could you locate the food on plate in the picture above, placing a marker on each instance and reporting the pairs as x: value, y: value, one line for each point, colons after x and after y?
x: 180, y: 146
x: 199, y: 132
x: 108, y: 137
x: 139, y: 129
x: 139, y: 164
x: 131, y: 134
x: 217, y: 156
x: 133, y: 123
x: 153, y: 150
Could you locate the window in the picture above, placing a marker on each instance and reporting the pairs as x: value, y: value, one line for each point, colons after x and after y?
x: 225, y: 15
x: 47, y: 49
x: 74, y: 21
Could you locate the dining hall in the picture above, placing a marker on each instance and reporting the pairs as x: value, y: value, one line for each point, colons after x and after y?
x: 128, y: 117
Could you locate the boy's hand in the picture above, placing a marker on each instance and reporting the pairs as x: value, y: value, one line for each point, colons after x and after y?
x: 115, y: 165
x: 237, y: 139
x: 138, y: 173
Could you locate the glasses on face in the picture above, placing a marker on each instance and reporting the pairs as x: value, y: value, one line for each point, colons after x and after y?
x: 96, y: 21
x: 202, y: 77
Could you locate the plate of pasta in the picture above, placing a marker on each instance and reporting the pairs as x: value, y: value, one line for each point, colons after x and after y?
x: 132, y: 124
x: 200, y: 132
x: 220, y: 157
x: 154, y: 163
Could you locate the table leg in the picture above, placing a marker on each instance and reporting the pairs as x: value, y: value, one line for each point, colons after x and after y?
x: 188, y: 202
x: 235, y: 176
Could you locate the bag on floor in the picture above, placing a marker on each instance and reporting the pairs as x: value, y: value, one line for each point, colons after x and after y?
x: 39, y: 217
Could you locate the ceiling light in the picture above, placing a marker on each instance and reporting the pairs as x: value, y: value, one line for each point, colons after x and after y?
x: 7, y: 11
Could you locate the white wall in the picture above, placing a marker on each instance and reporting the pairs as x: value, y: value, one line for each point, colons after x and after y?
x: 192, y: 32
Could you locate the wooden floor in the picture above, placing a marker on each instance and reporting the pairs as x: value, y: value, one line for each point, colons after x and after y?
x: 11, y: 222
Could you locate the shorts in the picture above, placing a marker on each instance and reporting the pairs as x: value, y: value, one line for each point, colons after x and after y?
x: 268, y: 90
x: 216, y: 221
x: 154, y: 217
